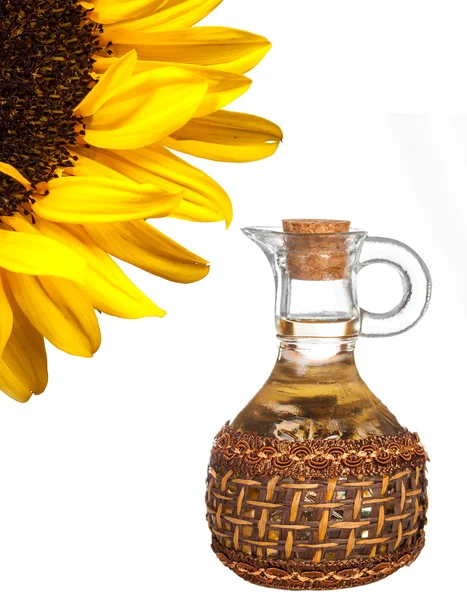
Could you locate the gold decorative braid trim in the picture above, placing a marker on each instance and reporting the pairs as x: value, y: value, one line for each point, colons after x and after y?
x: 256, y: 455
x: 294, y: 575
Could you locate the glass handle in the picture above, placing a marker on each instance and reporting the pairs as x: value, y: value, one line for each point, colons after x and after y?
x: 416, y: 285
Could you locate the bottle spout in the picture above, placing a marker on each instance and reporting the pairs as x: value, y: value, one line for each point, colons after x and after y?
x: 268, y: 238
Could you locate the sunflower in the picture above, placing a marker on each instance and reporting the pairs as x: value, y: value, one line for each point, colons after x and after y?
x: 94, y: 99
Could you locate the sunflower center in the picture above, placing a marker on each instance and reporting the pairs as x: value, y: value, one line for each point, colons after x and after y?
x: 46, y: 61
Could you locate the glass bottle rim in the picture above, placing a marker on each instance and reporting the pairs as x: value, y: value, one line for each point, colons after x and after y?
x: 279, y: 232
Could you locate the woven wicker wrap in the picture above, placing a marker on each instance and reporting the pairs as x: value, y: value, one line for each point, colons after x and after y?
x: 317, y: 514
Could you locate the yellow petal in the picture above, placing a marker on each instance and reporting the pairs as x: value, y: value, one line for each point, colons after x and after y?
x: 175, y: 14
x: 111, y: 11
x: 7, y: 169
x: 23, y: 367
x: 223, y: 87
x: 221, y: 47
x: 203, y: 198
x: 102, y: 200
x: 118, y: 73
x: 188, y: 211
x: 6, y: 318
x: 145, y: 247
x: 37, y: 255
x: 147, y: 107
x: 20, y: 223
x: 227, y: 136
x: 13, y: 384
x: 107, y: 286
x: 87, y: 167
x: 60, y: 311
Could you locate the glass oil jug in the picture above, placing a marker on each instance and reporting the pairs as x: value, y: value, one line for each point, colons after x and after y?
x: 315, y: 484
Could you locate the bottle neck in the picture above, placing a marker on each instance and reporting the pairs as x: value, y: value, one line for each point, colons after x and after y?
x: 315, y: 350
x: 318, y: 360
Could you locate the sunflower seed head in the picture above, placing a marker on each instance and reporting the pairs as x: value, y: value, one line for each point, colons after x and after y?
x: 46, y: 63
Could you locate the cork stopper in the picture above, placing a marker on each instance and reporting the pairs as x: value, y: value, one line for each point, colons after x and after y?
x: 315, y: 258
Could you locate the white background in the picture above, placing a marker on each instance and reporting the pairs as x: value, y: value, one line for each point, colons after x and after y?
x: 102, y: 477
